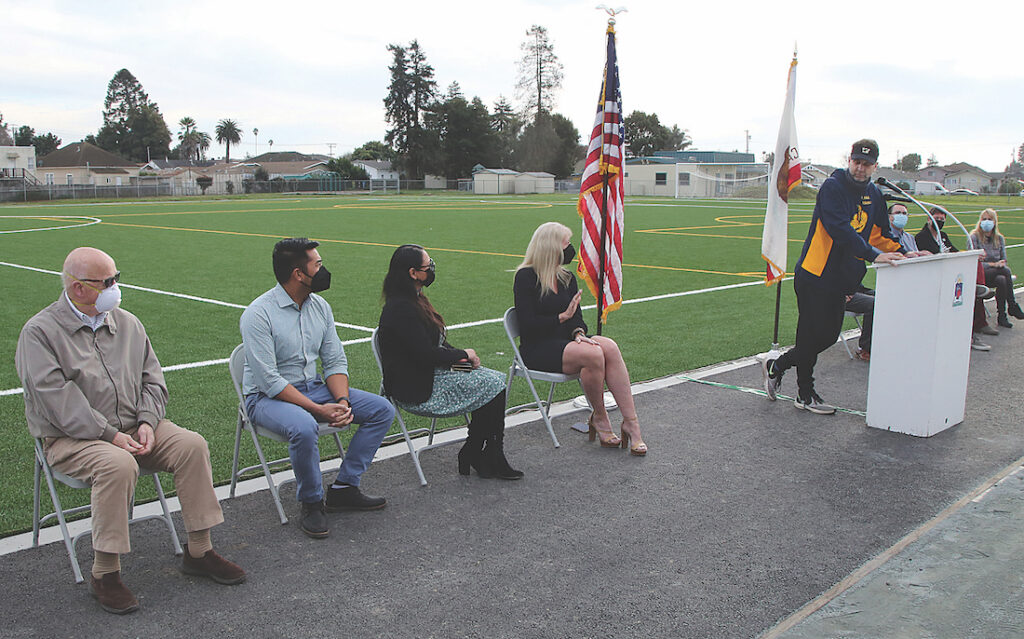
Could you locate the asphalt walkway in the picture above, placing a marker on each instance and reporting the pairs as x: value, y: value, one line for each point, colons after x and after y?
x: 748, y: 518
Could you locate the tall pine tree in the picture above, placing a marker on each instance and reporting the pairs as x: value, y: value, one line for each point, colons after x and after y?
x: 132, y: 124
x: 410, y: 94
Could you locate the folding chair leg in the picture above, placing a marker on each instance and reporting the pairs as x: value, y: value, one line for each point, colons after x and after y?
x: 845, y: 345
x: 543, y: 412
x: 508, y: 386
x: 341, y: 449
x: 234, y: 462
x: 59, y: 511
x: 270, y: 480
x: 415, y: 454
x: 35, y: 504
x: 167, y: 516
x: 430, y: 435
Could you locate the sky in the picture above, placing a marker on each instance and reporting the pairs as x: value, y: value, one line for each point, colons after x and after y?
x: 940, y: 79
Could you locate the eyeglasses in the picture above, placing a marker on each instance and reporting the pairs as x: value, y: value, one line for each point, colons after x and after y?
x: 429, y: 267
x: 107, y: 283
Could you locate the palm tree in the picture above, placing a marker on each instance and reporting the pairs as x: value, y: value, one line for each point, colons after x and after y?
x: 202, y: 143
x: 228, y: 133
x: 187, y: 138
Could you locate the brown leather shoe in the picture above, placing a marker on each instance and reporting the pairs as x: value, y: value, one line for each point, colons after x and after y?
x: 112, y: 595
x: 213, y: 566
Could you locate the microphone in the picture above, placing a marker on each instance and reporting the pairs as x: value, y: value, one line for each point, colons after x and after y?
x: 881, y: 181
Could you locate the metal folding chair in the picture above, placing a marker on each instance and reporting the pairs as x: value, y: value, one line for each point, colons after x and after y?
x: 42, y: 467
x: 856, y: 320
x: 407, y: 434
x: 236, y: 365
x: 519, y: 369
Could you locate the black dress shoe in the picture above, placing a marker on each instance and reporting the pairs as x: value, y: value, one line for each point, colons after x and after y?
x: 1002, y: 321
x: 314, y: 521
x: 352, y: 498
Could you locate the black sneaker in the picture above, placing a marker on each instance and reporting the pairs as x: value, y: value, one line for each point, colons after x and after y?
x: 351, y: 498
x: 772, y: 378
x: 814, y: 404
x: 314, y: 521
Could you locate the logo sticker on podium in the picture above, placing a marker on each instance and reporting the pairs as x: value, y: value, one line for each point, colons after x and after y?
x: 958, y: 290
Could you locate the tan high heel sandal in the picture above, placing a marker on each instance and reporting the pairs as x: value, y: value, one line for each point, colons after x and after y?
x: 639, y: 450
x: 612, y: 441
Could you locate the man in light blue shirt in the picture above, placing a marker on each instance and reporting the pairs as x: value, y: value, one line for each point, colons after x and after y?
x: 285, y: 331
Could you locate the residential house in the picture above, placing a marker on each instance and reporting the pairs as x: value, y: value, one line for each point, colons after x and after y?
x: 961, y: 175
x: 904, y: 179
x: 15, y: 160
x: 378, y: 169
x: 83, y: 163
x: 932, y: 174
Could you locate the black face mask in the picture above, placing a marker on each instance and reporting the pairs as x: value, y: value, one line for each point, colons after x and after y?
x: 321, y: 281
x: 429, y: 280
x: 568, y: 253
x: 940, y: 223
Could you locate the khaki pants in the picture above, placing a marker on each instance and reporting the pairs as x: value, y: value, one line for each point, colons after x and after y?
x: 112, y: 472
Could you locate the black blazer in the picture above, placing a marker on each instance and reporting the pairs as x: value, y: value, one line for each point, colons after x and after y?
x: 409, y: 352
x: 538, y: 316
x: 926, y: 241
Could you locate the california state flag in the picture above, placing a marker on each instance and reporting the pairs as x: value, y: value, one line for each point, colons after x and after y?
x: 785, y: 176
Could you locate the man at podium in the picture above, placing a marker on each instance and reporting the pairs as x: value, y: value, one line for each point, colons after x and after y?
x: 850, y: 226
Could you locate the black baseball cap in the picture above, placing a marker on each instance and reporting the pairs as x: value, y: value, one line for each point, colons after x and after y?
x: 865, y: 150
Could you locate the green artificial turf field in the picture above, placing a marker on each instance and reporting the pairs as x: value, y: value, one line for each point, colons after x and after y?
x: 217, y: 253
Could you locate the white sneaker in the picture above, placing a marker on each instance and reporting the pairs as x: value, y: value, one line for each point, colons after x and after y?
x: 978, y: 345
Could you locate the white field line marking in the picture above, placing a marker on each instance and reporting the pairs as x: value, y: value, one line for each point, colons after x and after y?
x: 136, y: 203
x: 185, y: 296
x: 496, y: 320
x: 90, y: 221
x: 362, y: 340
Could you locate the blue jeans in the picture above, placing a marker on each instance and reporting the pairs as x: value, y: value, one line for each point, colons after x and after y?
x: 373, y: 413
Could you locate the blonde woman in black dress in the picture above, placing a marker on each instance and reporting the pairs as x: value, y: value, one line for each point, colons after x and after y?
x: 553, y: 335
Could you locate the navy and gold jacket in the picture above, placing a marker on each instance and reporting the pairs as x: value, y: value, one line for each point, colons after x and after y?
x: 850, y: 226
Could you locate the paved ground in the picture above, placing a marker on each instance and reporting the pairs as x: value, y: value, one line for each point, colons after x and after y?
x: 743, y: 512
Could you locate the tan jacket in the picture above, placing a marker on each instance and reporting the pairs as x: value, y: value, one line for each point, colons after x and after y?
x: 88, y: 385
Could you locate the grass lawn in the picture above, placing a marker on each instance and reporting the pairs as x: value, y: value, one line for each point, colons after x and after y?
x: 220, y: 250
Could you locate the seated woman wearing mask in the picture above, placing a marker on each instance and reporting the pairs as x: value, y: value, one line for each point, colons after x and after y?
x: 426, y: 375
x: 554, y: 337
x: 987, y: 237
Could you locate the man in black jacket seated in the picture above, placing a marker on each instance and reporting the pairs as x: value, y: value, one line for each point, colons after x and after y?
x: 925, y: 238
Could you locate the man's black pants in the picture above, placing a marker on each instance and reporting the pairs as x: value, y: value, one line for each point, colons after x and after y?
x: 818, y: 325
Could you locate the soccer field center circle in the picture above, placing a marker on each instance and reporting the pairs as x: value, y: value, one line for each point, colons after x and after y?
x: 85, y: 220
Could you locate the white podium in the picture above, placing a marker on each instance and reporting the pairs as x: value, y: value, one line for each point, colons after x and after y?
x: 921, y: 343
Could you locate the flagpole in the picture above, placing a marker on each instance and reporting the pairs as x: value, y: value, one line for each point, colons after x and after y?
x: 601, y: 251
x: 778, y: 301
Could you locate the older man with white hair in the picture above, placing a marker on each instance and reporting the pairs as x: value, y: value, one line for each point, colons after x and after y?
x: 95, y: 393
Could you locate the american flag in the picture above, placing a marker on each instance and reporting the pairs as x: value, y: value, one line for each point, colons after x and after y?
x: 600, y: 203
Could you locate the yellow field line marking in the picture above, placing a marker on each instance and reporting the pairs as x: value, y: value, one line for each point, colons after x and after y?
x: 278, y: 210
x: 384, y: 245
x: 318, y: 239
x: 368, y: 206
x: 727, y: 237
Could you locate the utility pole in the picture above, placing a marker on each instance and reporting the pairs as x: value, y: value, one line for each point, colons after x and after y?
x: 330, y: 147
x: 747, y: 132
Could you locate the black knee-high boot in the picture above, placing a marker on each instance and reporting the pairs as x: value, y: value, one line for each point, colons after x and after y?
x: 471, y: 453
x: 494, y: 452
